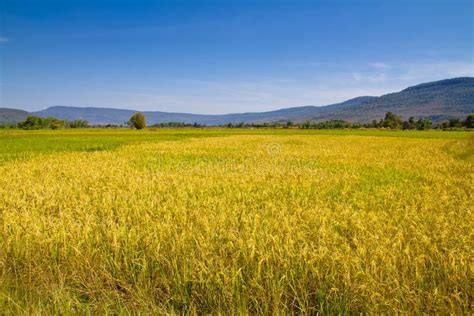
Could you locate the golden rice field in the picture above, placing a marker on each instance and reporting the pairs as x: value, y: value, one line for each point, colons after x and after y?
x: 236, y: 222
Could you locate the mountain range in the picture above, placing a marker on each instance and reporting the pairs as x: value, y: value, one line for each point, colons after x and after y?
x: 438, y: 100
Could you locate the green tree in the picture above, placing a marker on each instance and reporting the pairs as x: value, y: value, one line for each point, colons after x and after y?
x: 77, y: 124
x: 31, y: 123
x: 455, y: 122
x: 56, y: 124
x: 423, y: 124
x: 392, y: 121
x: 137, y: 120
x: 444, y: 124
x: 410, y: 124
x: 469, y: 122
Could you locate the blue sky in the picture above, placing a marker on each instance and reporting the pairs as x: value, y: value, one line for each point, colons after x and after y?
x: 225, y: 56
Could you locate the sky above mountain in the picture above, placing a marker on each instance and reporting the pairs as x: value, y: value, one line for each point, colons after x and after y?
x: 216, y: 57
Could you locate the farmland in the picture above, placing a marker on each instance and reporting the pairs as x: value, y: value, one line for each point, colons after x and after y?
x: 236, y: 221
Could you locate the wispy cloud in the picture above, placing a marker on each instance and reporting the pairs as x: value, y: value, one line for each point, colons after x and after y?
x: 404, y: 74
x: 4, y: 39
x: 379, y: 65
x: 432, y: 70
x: 370, y: 77
x: 293, y: 86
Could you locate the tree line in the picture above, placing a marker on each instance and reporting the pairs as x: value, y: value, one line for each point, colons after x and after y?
x: 138, y: 121
x: 390, y: 121
x: 36, y: 122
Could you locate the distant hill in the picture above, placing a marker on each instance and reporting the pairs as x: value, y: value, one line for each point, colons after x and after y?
x: 117, y: 116
x: 450, y: 98
x: 438, y: 100
x: 12, y: 116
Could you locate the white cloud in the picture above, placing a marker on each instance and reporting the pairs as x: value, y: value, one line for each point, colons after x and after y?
x: 4, y: 39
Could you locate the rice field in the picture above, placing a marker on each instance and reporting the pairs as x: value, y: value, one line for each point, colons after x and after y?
x: 208, y: 221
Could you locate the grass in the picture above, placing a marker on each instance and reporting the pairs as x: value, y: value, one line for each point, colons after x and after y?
x: 235, y: 221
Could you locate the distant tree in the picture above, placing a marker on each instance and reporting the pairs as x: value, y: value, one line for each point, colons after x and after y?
x: 31, y: 123
x: 137, y: 121
x: 76, y: 124
x: 444, y: 124
x: 332, y: 124
x: 423, y: 124
x: 36, y: 122
x: 56, y: 124
x: 306, y: 125
x: 392, y: 121
x: 410, y: 124
x: 455, y: 122
x: 469, y: 122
